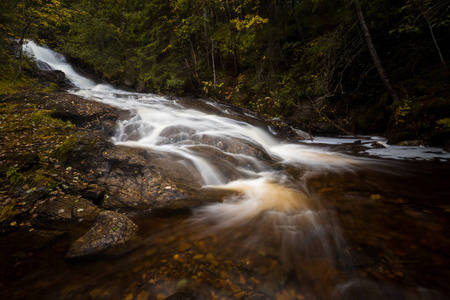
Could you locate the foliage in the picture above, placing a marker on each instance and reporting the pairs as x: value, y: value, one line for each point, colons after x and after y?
x: 445, y: 123
x: 279, y: 57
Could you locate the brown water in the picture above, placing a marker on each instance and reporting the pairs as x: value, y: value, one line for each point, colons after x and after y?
x: 366, y: 234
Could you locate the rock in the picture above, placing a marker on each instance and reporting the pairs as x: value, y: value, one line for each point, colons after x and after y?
x: 174, y: 134
x: 93, y: 192
x: 132, y: 181
x: 110, y: 230
x: 54, y: 76
x: 67, y: 208
x: 302, y: 135
x: 140, y: 87
x: 233, y: 145
x: 81, y: 148
x: 82, y: 112
x: 123, y: 177
x: 398, y: 137
x: 447, y: 145
x: 129, y: 81
x: 183, y: 295
x: 409, y: 143
x: 377, y: 145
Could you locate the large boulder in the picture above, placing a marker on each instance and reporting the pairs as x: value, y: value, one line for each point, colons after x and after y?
x: 67, y: 208
x: 132, y: 181
x: 55, y: 77
x: 110, y: 230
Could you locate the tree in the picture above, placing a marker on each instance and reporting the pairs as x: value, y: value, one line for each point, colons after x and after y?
x: 435, y: 14
x: 31, y: 14
x: 373, y: 52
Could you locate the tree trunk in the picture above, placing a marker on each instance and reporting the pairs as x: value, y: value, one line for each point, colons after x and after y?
x: 213, y: 64
x: 19, y: 49
x: 435, y: 42
x: 297, y: 21
x: 373, y: 52
x: 424, y: 13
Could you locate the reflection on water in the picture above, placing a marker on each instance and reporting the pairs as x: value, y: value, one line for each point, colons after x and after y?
x: 303, y: 223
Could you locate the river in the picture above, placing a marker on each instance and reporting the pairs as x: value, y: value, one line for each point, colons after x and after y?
x: 308, y: 220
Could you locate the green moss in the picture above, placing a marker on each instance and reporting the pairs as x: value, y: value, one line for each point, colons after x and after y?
x: 64, y: 151
x: 13, y: 176
x: 44, y: 118
x: 51, y: 88
x: 7, y: 212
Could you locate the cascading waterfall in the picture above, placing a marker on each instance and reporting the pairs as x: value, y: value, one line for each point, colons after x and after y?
x: 267, y: 203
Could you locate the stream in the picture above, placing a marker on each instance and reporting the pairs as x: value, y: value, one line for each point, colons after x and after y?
x: 306, y: 219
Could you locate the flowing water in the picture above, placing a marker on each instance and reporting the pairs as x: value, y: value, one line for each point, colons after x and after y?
x: 306, y: 220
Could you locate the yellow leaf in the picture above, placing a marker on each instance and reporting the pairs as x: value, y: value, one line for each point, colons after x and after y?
x: 242, y: 279
x: 375, y: 197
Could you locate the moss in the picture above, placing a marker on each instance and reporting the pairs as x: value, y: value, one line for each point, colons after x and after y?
x: 8, y: 212
x: 65, y: 150
x: 44, y: 119
x: 53, y: 87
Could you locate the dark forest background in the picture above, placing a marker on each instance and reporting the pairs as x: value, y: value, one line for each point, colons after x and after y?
x: 309, y: 62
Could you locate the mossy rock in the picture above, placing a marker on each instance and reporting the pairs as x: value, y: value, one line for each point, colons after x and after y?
x: 110, y: 230
x: 80, y: 147
x: 67, y: 208
x: 398, y: 137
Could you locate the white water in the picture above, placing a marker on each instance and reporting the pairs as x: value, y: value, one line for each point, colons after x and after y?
x: 389, y: 151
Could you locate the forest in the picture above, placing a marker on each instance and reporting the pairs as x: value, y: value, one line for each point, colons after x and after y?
x: 334, y: 66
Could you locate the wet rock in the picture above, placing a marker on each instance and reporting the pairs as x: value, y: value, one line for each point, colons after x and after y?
x: 82, y: 149
x: 233, y: 145
x: 133, y: 182
x: 140, y: 87
x: 129, y: 81
x: 122, y: 177
x: 36, y: 194
x: 377, y: 145
x: 301, y: 134
x: 184, y: 295
x: 110, y: 230
x: 93, y: 192
x: 53, y: 76
x: 67, y: 208
x: 83, y: 113
x: 174, y: 134
x: 396, y: 138
x: 409, y: 143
